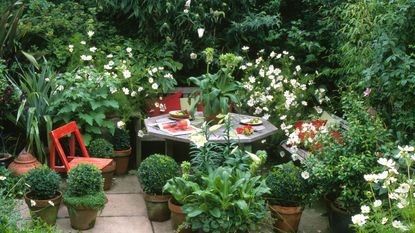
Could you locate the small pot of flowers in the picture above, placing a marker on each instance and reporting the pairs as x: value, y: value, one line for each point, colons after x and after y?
x: 122, y: 150
x: 153, y: 174
x: 101, y: 148
x: 84, y: 196
x: 43, y: 197
x: 289, y: 195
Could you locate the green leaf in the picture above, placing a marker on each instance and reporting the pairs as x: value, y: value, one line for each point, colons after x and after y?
x: 31, y: 59
x: 89, y: 119
x: 215, y: 212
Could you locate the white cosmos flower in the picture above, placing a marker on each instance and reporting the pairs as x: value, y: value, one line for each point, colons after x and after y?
x: 83, y: 42
x: 93, y: 49
x: 51, y: 203
x: 245, y: 48
x: 90, y: 33
x: 3, y: 178
x: 398, y: 224
x: 155, y: 86
x: 384, y: 220
x: 86, y: 57
x: 32, y: 203
x: 305, y: 175
x: 126, y: 74
x: 150, y: 80
x: 387, y: 162
x: 120, y: 124
x: 359, y: 219
x: 200, y: 32
x: 365, y: 209
x: 252, y: 79
x: 377, y: 203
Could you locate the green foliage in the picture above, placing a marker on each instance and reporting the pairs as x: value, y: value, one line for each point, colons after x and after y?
x: 9, y: 23
x: 155, y: 171
x: 43, y: 183
x: 9, y: 98
x: 121, y: 139
x: 94, y: 201
x: 83, y: 180
x: 101, y: 148
x: 287, y: 186
x: 227, y: 200
x: 9, y: 217
x: 11, y: 185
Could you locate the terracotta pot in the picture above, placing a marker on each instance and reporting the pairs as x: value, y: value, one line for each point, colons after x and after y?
x: 23, y: 164
x: 82, y: 218
x: 178, y: 217
x: 157, y: 207
x: 43, y: 209
x: 121, y: 158
x: 5, y: 159
x: 286, y: 218
x: 108, y: 173
x: 340, y: 220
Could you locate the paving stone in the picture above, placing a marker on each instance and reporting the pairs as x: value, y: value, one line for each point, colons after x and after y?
x: 132, y: 224
x: 118, y: 205
x: 314, y: 220
x: 162, y: 227
x: 125, y: 184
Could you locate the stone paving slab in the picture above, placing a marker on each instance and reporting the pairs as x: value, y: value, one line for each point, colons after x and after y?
x: 162, y: 227
x: 126, y: 184
x: 132, y: 224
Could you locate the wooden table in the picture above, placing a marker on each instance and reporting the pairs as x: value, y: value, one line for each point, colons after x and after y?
x: 261, y: 132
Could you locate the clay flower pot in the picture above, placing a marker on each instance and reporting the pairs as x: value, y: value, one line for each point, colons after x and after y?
x: 178, y: 217
x: 286, y: 218
x: 24, y: 163
x: 108, y: 173
x: 157, y: 207
x: 5, y: 159
x: 340, y: 220
x: 47, y: 210
x: 121, y: 157
x: 82, y: 218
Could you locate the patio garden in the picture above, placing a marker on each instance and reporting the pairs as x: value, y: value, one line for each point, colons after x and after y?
x: 207, y: 116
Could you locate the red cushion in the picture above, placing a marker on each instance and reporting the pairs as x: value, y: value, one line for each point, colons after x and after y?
x: 168, y: 103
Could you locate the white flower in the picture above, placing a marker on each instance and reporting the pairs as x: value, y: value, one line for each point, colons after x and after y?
x: 387, y: 162
x: 397, y: 224
x: 263, y: 141
x: 107, y: 67
x: 359, y: 219
x: 318, y: 109
x: 83, y: 42
x: 140, y: 133
x: 266, y: 116
x: 285, y: 52
x: 150, y: 80
x: 403, y: 188
x: 120, y: 124
x: 200, y: 32
x: 365, y: 209
x: 93, y: 49
x: 113, y: 90
x: 86, y: 57
x: 70, y: 48
x: 193, y: 56
x: 384, y: 220
x: 3, y: 178
x: 60, y: 88
x: 155, y: 86
x: 272, y: 54
x: 198, y: 140
x: 90, y: 33
x: 377, y: 203
x: 245, y: 48
x: 305, y: 175
x: 110, y: 56
x: 297, y: 68
x: 304, y: 103
x: 128, y: 50
x: 283, y: 117
x: 186, y: 11
x: 51, y: 203
x: 279, y: 55
x: 133, y: 93
x: 187, y: 4
x: 242, y: 67
x: 282, y: 154
x: 168, y: 75
x: 292, y: 58
x: 140, y: 89
x: 126, y: 74
x: 252, y: 79
x: 126, y: 91
x: 32, y: 203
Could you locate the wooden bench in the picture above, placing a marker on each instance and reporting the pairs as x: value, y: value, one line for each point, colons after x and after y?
x: 138, y: 125
x: 302, y: 154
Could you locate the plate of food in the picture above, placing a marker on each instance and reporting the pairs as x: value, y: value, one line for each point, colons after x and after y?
x: 251, y: 121
x: 180, y: 114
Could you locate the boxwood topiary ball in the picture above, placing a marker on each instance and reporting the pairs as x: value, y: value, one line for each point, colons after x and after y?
x: 43, y: 183
x: 84, y: 179
x: 155, y: 171
x: 101, y: 148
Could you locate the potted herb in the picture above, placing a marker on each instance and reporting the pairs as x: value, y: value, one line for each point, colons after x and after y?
x: 288, y: 196
x: 43, y: 197
x: 101, y: 148
x: 84, y: 196
x: 153, y: 174
x: 216, y: 92
x: 122, y: 150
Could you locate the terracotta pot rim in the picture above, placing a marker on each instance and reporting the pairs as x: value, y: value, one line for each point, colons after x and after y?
x: 6, y: 155
x: 43, y: 202
x: 156, y: 198
x: 122, y: 153
x: 175, y: 208
x: 286, y: 209
x: 338, y: 209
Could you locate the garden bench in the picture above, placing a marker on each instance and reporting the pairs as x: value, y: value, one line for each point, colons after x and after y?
x: 302, y: 154
x: 138, y: 125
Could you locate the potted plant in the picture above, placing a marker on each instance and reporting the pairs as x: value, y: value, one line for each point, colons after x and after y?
x: 216, y: 92
x: 153, y: 174
x: 84, y: 196
x: 122, y: 150
x: 101, y: 148
x: 43, y: 197
x: 288, y: 196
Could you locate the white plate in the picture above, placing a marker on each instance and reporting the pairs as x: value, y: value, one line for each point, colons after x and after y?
x: 248, y: 121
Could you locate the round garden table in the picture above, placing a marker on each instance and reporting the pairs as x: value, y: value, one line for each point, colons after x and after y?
x: 260, y: 132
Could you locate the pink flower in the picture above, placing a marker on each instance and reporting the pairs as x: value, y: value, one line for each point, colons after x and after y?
x: 367, y: 92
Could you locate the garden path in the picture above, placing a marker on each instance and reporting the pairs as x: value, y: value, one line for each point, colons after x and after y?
x: 126, y: 212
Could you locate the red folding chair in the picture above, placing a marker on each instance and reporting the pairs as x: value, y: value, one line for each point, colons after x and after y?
x: 72, y: 160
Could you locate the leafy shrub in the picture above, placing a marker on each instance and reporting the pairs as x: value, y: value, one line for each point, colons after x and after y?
x: 121, y: 139
x: 155, y: 171
x: 43, y: 183
x: 287, y: 186
x: 101, y: 148
x: 85, y: 185
x: 11, y: 185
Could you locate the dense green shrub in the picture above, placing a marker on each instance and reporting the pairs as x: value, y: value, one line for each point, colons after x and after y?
x: 287, y: 186
x: 85, y: 185
x: 101, y: 148
x: 121, y: 139
x: 43, y: 183
x: 155, y: 171
x: 11, y: 185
